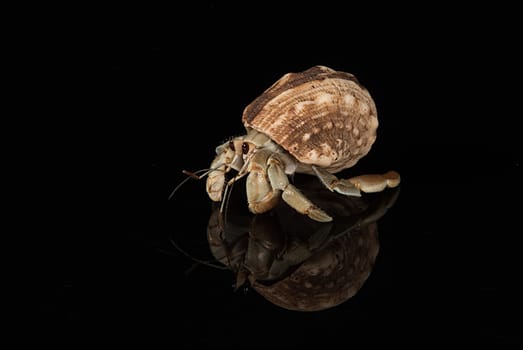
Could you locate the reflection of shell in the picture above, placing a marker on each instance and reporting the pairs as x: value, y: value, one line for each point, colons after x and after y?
x: 294, y: 262
x: 328, y: 278
x: 321, y: 116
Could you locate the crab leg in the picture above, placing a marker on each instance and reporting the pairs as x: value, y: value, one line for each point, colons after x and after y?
x: 291, y: 195
x: 352, y: 186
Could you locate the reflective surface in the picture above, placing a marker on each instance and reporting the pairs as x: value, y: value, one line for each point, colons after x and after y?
x: 146, y: 99
x: 293, y: 261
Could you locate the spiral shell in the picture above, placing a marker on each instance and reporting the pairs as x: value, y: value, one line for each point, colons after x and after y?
x: 320, y: 116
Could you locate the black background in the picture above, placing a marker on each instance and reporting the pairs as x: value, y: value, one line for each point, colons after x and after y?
x: 146, y: 93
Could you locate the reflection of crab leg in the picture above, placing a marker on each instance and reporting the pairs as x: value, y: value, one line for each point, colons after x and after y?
x: 366, y: 183
x: 291, y: 195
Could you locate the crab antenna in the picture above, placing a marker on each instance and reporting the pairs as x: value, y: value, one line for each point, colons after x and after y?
x: 226, y: 193
x: 192, y: 175
x: 241, y: 173
x: 208, y: 263
x: 225, y: 201
x: 224, y: 196
x: 199, y: 261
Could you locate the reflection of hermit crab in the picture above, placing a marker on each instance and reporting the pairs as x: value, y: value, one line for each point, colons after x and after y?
x: 296, y: 263
x: 319, y: 121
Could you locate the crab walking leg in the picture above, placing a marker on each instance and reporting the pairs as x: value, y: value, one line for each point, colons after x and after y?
x: 376, y: 182
x: 352, y: 186
x: 334, y: 184
x: 291, y: 195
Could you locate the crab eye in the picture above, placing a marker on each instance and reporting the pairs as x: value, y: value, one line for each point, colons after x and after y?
x: 245, y: 148
x: 231, y: 145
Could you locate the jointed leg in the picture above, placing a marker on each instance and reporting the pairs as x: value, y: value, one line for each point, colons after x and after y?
x: 353, y: 186
x: 376, y: 182
x: 291, y: 195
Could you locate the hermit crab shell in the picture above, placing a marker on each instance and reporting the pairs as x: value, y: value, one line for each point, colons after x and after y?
x: 320, y: 116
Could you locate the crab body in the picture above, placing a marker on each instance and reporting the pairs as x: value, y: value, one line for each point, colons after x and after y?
x: 319, y: 121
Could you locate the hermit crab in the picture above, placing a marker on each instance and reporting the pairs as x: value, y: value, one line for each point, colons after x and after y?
x: 318, y: 122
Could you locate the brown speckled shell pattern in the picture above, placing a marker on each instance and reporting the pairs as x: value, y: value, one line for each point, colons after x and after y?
x: 320, y: 116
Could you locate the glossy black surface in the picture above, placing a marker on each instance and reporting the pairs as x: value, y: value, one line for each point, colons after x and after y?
x: 151, y: 100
